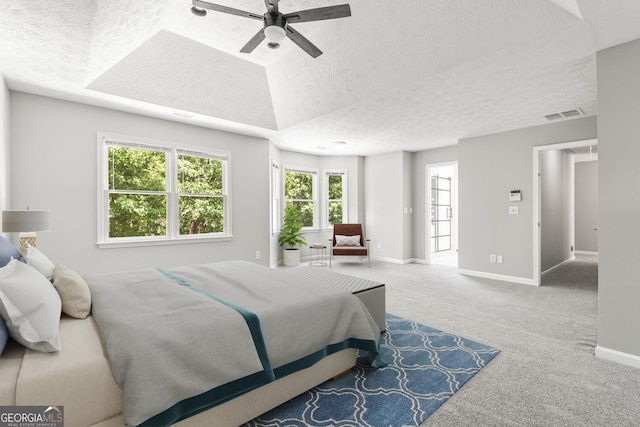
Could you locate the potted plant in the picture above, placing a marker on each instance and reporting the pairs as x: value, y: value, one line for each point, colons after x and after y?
x: 291, y: 237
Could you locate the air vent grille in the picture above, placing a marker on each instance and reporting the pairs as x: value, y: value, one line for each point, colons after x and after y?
x: 565, y: 115
x: 556, y: 116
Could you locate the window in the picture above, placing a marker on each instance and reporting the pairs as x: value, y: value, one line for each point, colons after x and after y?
x: 275, y: 197
x: 201, y: 195
x: 300, y: 189
x: 336, y: 205
x: 152, y: 192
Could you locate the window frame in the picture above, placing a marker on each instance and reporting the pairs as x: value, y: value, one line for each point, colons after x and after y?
x: 172, y: 151
x: 314, y: 182
x: 345, y: 206
x: 276, y: 197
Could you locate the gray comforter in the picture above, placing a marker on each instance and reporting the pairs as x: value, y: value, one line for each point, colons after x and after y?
x: 183, y: 339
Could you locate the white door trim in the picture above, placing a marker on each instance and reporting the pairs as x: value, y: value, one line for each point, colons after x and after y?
x: 537, y: 202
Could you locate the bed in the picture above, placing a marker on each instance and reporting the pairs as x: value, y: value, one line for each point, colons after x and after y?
x: 111, y: 371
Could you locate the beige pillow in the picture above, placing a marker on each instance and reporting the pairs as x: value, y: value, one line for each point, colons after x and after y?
x: 74, y: 292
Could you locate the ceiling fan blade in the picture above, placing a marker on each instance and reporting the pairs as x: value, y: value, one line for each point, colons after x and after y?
x: 319, y: 14
x: 254, y: 42
x: 303, y: 43
x: 272, y: 6
x: 225, y: 9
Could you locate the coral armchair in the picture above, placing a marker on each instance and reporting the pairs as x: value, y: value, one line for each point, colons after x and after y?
x: 349, y: 240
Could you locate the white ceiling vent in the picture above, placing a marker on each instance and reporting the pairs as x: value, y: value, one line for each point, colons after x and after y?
x: 556, y: 116
x: 565, y: 115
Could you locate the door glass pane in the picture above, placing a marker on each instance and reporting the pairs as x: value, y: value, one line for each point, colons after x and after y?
x: 444, y: 228
x: 444, y: 243
x: 444, y: 197
x: 441, y: 213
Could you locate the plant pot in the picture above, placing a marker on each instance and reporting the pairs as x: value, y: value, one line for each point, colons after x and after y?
x: 291, y: 257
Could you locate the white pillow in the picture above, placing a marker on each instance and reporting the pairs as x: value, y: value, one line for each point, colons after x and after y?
x: 31, y: 307
x: 347, y: 240
x: 39, y: 261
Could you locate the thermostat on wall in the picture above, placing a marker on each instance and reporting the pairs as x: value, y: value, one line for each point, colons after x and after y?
x: 515, y: 196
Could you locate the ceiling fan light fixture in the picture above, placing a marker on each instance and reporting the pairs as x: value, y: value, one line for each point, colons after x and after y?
x: 273, y: 45
x: 274, y: 34
x: 198, y: 11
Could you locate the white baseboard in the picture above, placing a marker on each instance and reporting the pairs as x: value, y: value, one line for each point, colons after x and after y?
x: 587, y: 253
x: 494, y: 276
x: 566, y: 261
x: 393, y: 260
x: 618, y: 356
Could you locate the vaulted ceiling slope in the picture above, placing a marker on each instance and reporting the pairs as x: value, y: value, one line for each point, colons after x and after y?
x: 396, y: 75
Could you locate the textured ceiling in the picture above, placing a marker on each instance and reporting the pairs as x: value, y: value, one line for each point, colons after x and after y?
x: 396, y: 75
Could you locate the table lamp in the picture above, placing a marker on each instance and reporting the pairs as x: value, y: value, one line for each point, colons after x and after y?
x: 26, y: 223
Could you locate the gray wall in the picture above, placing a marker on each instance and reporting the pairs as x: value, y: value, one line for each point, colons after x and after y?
x: 586, y: 205
x: 407, y: 206
x: 619, y: 198
x: 54, y: 142
x: 384, y: 202
x: 556, y: 197
x: 362, y: 212
x: 488, y: 168
x: 5, y: 166
x: 420, y: 160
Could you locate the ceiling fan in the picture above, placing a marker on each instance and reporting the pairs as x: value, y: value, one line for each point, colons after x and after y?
x: 276, y: 25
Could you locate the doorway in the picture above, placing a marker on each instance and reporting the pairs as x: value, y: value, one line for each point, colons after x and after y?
x: 442, y: 214
x: 554, y: 190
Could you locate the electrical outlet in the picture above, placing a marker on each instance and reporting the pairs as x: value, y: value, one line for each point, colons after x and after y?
x: 499, y: 259
x: 379, y: 245
x: 492, y: 258
x: 257, y: 254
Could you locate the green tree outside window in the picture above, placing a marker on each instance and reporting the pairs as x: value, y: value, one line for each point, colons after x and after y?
x: 298, y: 190
x: 139, y: 196
x: 201, y: 202
x: 335, y: 201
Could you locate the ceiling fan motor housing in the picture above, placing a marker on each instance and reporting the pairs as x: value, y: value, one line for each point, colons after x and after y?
x: 274, y: 27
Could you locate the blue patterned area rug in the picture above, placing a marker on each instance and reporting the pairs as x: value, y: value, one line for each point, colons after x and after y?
x: 425, y: 367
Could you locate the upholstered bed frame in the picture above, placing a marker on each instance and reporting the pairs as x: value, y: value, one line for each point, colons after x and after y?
x: 79, y: 378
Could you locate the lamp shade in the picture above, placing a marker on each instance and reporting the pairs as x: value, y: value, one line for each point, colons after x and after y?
x: 25, y: 221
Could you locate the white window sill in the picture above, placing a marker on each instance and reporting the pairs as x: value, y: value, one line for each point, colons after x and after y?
x: 114, y: 244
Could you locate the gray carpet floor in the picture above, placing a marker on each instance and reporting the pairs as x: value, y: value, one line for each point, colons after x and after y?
x: 546, y: 373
